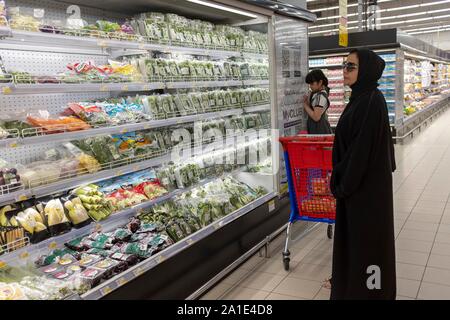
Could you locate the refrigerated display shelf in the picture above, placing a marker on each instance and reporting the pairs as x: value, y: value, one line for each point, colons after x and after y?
x: 112, y: 221
x: 411, y: 117
x: 137, y: 270
x: 21, y: 38
x: 68, y: 136
x: 18, y: 89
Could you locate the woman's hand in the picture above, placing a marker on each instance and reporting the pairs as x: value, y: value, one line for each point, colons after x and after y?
x: 306, y: 101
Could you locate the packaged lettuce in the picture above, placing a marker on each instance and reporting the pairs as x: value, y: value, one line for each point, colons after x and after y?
x: 200, y: 71
x: 228, y: 99
x: 174, y: 69
x: 179, y: 104
x: 195, y: 101
x: 206, y: 104
x: 151, y: 103
x: 184, y: 67
x: 163, y: 68
x: 167, y: 104
x: 209, y: 69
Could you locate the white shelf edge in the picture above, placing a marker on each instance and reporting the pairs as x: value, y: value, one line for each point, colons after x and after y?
x: 153, y: 124
x: 10, y: 88
x: 20, y: 38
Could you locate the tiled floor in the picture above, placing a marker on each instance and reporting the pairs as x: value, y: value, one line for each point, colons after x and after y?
x: 422, y: 226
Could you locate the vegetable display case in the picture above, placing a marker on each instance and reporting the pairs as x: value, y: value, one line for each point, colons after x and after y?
x: 415, y: 81
x: 93, y: 202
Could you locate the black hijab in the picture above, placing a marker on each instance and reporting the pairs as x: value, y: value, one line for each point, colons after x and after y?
x: 370, y: 70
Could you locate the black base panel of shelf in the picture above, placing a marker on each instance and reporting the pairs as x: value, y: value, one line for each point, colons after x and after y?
x: 180, y: 276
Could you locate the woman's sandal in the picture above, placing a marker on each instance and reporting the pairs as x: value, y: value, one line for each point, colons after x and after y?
x: 327, y: 283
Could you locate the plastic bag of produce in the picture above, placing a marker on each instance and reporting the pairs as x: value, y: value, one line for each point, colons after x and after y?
x: 56, y: 218
x: 76, y: 212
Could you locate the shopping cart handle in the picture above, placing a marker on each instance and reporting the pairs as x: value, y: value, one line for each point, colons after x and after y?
x: 323, y: 140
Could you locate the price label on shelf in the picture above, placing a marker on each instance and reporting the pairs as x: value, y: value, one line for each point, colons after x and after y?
x: 106, y: 290
x: 13, y: 144
x: 189, y: 242
x: 102, y: 43
x: 3, y: 264
x: 119, y: 173
x: 170, y: 85
x: 138, y: 271
x: 216, y: 226
x: 104, y: 88
x: 147, y: 126
x: 121, y: 281
x: 271, y: 205
x: 141, y: 45
x: 24, y: 255
x: 160, y: 259
x: 145, y: 87
x: 97, y: 227
x: 6, y: 90
x: 124, y: 130
x: 22, y: 197
x: 52, y: 245
x: 125, y: 88
x: 136, y: 168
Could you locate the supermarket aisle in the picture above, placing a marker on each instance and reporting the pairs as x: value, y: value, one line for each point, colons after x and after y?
x: 422, y: 222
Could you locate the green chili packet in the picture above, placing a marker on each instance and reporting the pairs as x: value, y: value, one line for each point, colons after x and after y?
x: 122, y: 234
x: 75, y: 244
x: 136, y: 249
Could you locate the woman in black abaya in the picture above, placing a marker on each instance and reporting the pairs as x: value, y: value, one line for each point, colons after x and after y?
x: 363, y: 162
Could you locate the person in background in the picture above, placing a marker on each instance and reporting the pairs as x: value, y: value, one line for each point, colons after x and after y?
x: 317, y: 103
x: 361, y: 181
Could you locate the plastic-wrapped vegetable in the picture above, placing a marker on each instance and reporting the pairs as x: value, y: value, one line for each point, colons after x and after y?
x: 76, y: 212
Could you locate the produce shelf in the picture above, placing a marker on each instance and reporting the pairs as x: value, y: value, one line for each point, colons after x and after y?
x: 410, y: 118
x: 77, y: 87
x: 264, y: 107
x: 17, y: 89
x: 137, y: 270
x: 256, y: 82
x: 71, y: 183
x: 202, y: 84
x: 114, y: 220
x: 92, y: 45
x: 41, y: 137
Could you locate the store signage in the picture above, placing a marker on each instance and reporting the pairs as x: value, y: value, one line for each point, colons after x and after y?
x: 343, y: 32
x: 291, y: 45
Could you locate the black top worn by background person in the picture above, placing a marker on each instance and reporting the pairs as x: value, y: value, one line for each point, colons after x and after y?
x: 322, y: 126
x: 363, y: 162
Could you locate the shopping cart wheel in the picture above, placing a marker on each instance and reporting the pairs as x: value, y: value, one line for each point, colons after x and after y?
x: 286, y: 260
x: 286, y: 263
x: 330, y: 231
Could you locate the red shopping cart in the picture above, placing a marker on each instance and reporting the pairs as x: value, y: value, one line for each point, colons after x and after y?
x: 308, y: 169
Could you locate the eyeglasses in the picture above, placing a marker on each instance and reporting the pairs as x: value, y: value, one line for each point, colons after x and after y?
x: 349, y: 66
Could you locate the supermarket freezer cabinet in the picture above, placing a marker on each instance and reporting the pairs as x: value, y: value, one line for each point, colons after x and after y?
x: 95, y: 201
